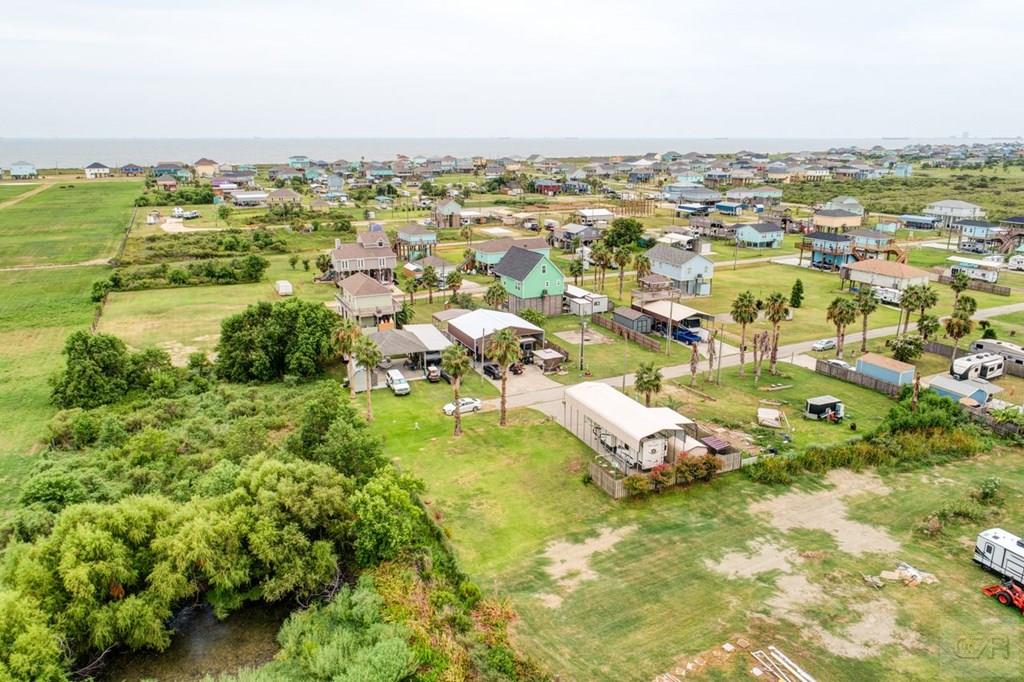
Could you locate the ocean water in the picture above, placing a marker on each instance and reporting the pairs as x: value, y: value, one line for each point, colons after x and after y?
x: 79, y: 152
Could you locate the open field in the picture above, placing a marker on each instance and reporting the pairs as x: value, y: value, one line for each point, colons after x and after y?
x: 630, y: 590
x: 13, y: 191
x: 66, y: 223
x: 38, y: 310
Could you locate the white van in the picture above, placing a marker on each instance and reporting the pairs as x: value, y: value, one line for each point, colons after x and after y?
x: 397, y: 382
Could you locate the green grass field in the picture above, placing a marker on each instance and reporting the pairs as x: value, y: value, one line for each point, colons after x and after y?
x: 66, y: 223
x: 13, y: 191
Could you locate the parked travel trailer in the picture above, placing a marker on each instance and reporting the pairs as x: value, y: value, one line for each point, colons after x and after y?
x: 1016, y: 262
x: 887, y: 295
x: 978, y: 366
x: 983, y: 274
x: 1001, y: 552
x: 1012, y: 352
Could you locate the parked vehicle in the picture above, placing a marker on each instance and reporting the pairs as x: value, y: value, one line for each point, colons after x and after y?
x: 982, y: 274
x: 824, y: 408
x: 685, y: 335
x: 1008, y: 593
x: 517, y: 368
x: 492, y: 370
x: 887, y: 295
x: 532, y: 225
x: 465, y: 405
x: 986, y: 366
x: 836, y: 362
x: 433, y: 374
x: 824, y: 344
x: 397, y: 383
x: 1002, y: 553
x: 1016, y: 262
x: 190, y: 215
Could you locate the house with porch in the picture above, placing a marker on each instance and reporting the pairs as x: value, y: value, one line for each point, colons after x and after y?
x: 366, y: 301
x: 376, y: 261
x: 760, y: 235
x: 413, y: 241
x: 689, y: 272
x: 283, y: 196
x: 300, y: 162
x: 23, y: 170
x: 531, y: 280
x: 167, y: 183
x: 175, y: 168
x: 878, y: 272
x: 979, y: 236
x: 952, y: 211
x: 564, y: 236
x: 448, y: 213
x: 829, y: 250
x: 593, y: 216
x: 97, y: 170
x: 206, y: 168
x: 488, y: 254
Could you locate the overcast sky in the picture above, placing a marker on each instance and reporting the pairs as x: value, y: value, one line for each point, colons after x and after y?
x: 524, y: 68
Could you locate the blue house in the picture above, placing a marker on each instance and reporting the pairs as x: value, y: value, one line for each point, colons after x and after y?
x: 886, y: 369
x: 829, y: 250
x: 869, y: 239
x: 902, y: 170
x: 979, y: 236
x: 335, y: 183
x: 759, y: 235
x: 415, y: 241
x: 575, y: 187
x: 23, y: 170
x: 313, y: 173
x: 729, y: 208
x: 299, y: 162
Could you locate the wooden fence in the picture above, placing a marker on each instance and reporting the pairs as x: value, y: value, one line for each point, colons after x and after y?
x: 978, y: 285
x: 946, y: 351
x: 625, y: 332
x: 607, y: 482
x: 982, y: 417
x: 823, y: 367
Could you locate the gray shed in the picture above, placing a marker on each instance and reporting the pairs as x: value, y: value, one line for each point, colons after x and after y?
x: 633, y: 319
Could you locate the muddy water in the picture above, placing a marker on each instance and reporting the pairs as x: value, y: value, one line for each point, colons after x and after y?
x: 204, y: 645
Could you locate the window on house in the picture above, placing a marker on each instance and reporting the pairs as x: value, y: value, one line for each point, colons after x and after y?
x: 543, y: 269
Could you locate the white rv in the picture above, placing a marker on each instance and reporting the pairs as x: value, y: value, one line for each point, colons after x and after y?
x: 979, y: 273
x: 1001, y: 552
x: 1016, y: 262
x: 887, y: 295
x: 1012, y: 352
x: 978, y: 366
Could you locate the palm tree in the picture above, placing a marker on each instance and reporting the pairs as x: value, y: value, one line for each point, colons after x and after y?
x: 841, y: 312
x: 743, y: 313
x: 409, y: 286
x: 959, y: 284
x: 927, y: 297
x: 576, y: 270
x: 467, y: 233
x: 504, y: 349
x: 928, y: 326
x: 648, y: 381
x: 911, y: 300
x: 776, y: 308
x: 453, y: 281
x: 430, y: 280
x: 456, y: 364
x: 496, y: 296
x: 866, y: 304
x: 642, y: 265
x: 957, y: 327
x: 966, y: 306
x: 346, y: 336
x: 369, y: 356
x: 600, y: 256
x: 621, y: 259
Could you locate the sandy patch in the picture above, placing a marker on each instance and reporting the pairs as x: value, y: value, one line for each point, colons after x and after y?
x: 826, y: 511
x: 768, y: 557
x: 497, y: 231
x: 591, y: 337
x: 177, y: 226
x: 569, y: 562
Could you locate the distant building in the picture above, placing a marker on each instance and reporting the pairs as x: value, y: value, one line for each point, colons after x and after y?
x: 414, y: 241
x: 97, y: 170
x: 760, y: 235
x: 448, y: 213
x: 836, y: 218
x: 878, y: 272
x: 488, y: 254
x: 280, y: 197
x: 951, y: 211
x: 23, y: 170
x: 131, y: 169
x: 845, y: 203
x: 206, y: 168
x: 299, y: 162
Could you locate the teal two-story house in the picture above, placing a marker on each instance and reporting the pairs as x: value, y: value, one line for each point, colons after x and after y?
x: 829, y: 250
x: 414, y: 241
x: 759, y: 235
x: 488, y: 254
x: 531, y: 280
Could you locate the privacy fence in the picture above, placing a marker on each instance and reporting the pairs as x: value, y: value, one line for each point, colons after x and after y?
x: 823, y: 367
x: 626, y: 333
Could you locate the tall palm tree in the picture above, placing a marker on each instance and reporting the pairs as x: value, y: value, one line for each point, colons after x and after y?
x: 504, y: 349
x: 959, y: 284
x: 966, y: 306
x: 621, y: 259
x: 496, y: 296
x: 776, y: 308
x: 694, y: 363
x: 927, y: 297
x: 744, y: 312
x: 369, y: 356
x: 648, y: 381
x: 430, y: 280
x: 841, y: 312
x: 409, y: 286
x: 928, y: 326
x: 455, y: 363
x: 957, y: 327
x: 576, y: 270
x: 910, y: 301
x: 600, y: 256
x: 453, y: 281
x: 866, y: 304
x: 346, y: 336
x: 642, y: 265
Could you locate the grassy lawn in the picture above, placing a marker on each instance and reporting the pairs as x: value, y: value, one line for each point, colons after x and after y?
x: 66, y: 224
x: 8, y: 192
x: 611, y: 357
x: 39, y: 309
x: 724, y: 251
x: 505, y: 495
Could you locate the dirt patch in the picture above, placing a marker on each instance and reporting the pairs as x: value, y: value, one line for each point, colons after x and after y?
x: 768, y: 557
x: 591, y: 337
x: 179, y: 352
x: 569, y: 562
x: 497, y: 231
x: 826, y: 510
x: 177, y: 226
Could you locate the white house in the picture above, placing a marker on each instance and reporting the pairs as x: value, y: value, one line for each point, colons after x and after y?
x: 690, y: 272
x: 593, y: 216
x: 97, y: 170
x: 845, y: 203
x: 950, y: 211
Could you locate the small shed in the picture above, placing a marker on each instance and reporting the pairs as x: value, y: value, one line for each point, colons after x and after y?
x: 729, y: 208
x: 886, y: 369
x: 549, y: 359
x: 283, y: 287
x: 633, y: 319
x: 827, y: 407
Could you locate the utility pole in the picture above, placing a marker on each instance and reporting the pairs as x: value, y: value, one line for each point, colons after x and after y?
x: 583, y: 332
x: 721, y: 343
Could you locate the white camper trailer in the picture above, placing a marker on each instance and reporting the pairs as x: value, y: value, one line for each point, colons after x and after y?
x: 1016, y: 262
x: 887, y: 295
x: 978, y: 366
x: 1012, y: 352
x: 1001, y: 552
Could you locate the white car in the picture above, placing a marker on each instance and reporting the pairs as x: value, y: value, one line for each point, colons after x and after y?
x: 836, y: 362
x: 465, y: 405
x: 824, y: 344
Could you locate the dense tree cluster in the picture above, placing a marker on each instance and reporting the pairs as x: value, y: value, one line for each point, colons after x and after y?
x: 179, y: 197
x: 207, y: 271
x: 268, y: 341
